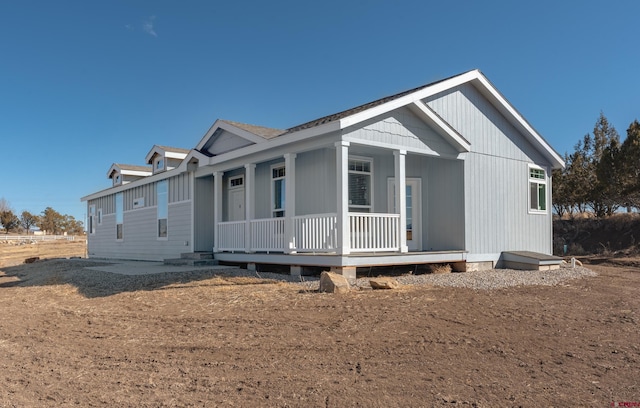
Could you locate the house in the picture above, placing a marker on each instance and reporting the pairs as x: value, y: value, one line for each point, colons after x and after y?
x: 475, y: 178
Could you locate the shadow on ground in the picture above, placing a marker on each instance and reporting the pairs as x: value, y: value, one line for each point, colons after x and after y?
x: 92, y: 283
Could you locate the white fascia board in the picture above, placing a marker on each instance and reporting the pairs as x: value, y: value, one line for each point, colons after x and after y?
x: 174, y: 155
x: 432, y: 119
x: 221, y: 124
x: 275, y: 142
x: 242, y: 133
x: 147, y: 180
x: 135, y: 173
x: 505, y: 107
x: 154, y: 150
x: 193, y: 154
x: 408, y: 99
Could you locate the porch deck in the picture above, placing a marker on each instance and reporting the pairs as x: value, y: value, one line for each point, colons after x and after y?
x: 342, y: 261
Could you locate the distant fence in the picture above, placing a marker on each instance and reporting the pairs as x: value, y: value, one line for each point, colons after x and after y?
x: 36, y: 237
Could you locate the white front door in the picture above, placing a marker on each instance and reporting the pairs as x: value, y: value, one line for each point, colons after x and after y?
x: 236, y: 204
x: 414, y: 210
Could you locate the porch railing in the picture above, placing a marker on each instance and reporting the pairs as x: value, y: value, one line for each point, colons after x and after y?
x: 267, y: 234
x: 315, y: 233
x: 369, y: 232
x: 372, y: 232
x: 231, y: 236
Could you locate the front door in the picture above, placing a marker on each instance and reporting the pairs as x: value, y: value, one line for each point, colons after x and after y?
x: 414, y: 210
x: 236, y: 204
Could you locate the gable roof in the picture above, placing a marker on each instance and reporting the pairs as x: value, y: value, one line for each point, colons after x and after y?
x: 129, y: 169
x: 166, y: 151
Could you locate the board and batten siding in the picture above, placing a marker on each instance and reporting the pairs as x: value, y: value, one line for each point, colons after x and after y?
x: 140, y: 235
x: 496, y: 174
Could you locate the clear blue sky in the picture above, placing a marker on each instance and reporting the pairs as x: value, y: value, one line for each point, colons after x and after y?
x: 84, y: 84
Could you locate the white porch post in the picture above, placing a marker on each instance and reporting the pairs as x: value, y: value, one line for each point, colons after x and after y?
x: 401, y: 196
x: 217, y: 208
x: 342, y: 187
x: 249, y: 207
x: 289, y: 201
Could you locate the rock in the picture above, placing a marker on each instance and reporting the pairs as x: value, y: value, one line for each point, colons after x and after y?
x: 384, y: 282
x: 31, y: 260
x: 333, y: 283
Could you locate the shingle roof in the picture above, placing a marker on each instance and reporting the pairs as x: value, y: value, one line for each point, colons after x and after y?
x: 352, y: 111
x: 134, y: 167
x: 265, y: 132
x: 174, y: 149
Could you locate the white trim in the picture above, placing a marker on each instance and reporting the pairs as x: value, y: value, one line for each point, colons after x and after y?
x: 371, y: 183
x: 272, y: 207
x: 431, y: 117
x: 537, y: 181
x: 223, y: 125
x: 241, y: 185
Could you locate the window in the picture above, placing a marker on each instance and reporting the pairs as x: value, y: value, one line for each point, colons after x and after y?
x: 163, y: 208
x: 117, y: 179
x: 537, y: 190
x: 119, y: 216
x: 91, y: 220
x: 138, y: 202
x: 160, y: 164
x: 236, y: 182
x: 100, y: 216
x: 360, y: 170
x: 278, y: 174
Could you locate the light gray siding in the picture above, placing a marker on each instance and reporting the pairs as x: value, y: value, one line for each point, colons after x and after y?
x: 496, y: 177
x: 315, y: 182
x: 402, y: 128
x: 227, y: 142
x: 203, y: 208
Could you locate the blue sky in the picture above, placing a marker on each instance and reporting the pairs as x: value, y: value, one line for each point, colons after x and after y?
x: 84, y: 84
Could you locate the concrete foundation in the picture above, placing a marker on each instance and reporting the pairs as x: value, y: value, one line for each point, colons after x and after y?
x: 296, y: 270
x: 252, y: 267
x: 472, y: 266
x: 348, y: 272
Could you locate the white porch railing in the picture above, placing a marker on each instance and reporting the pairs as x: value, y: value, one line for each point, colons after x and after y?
x: 231, y: 236
x: 372, y: 232
x: 315, y: 233
x: 267, y: 234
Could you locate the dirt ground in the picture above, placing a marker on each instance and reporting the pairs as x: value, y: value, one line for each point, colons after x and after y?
x: 15, y: 254
x: 70, y: 338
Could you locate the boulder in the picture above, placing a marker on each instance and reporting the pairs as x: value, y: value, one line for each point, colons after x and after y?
x: 333, y: 283
x: 383, y: 282
x: 31, y: 260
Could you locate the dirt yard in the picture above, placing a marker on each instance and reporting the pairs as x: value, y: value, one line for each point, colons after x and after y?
x: 71, y: 337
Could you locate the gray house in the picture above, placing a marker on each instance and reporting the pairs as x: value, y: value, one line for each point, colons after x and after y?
x: 475, y: 179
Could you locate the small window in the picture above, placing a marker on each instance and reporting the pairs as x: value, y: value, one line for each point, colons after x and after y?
x: 119, y: 216
x: 138, y: 202
x: 163, y: 207
x: 160, y: 164
x: 100, y: 216
x: 91, y: 219
x: 360, y: 170
x: 537, y: 190
x: 236, y: 182
x: 278, y: 174
x: 117, y: 179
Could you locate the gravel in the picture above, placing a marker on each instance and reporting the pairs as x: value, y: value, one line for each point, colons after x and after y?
x: 481, y: 280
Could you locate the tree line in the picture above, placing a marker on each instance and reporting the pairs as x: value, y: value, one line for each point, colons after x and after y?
x: 49, y: 220
x: 602, y: 175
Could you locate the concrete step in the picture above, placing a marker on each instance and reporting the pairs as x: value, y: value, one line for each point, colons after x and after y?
x: 191, y: 262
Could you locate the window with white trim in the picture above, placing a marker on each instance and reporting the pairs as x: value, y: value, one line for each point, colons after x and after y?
x: 163, y: 207
x: 236, y: 182
x: 119, y: 216
x: 537, y: 190
x: 91, y: 220
x: 360, y: 172
x: 278, y: 174
x: 160, y: 164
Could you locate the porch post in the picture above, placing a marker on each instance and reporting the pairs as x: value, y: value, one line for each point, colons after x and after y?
x: 217, y: 208
x: 289, y: 202
x: 342, y: 194
x: 401, y: 197
x: 249, y: 208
